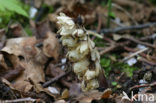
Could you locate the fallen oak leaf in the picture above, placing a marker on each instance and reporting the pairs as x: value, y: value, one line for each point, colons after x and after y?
x: 51, y: 46
x: 106, y: 93
x: 3, y: 65
x: 33, y: 69
x: 88, y: 97
x: 65, y: 94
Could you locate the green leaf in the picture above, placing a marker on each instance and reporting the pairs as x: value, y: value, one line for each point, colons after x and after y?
x: 12, y: 5
x: 114, y: 83
x: 112, y: 14
x: 0, y: 20
x: 105, y: 62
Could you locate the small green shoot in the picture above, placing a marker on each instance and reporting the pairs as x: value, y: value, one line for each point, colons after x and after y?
x: 114, y: 83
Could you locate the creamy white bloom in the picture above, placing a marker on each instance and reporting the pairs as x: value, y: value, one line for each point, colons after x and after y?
x: 68, y: 41
x: 97, y: 67
x: 67, y: 25
x: 65, y: 32
x: 83, y: 48
x: 90, y: 74
x: 81, y: 67
x: 74, y: 55
x: 65, y: 21
x: 91, y: 44
x: 92, y: 84
x: 78, y: 33
x: 95, y: 55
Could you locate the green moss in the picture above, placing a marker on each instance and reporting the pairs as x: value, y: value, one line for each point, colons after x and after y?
x: 126, y: 68
x: 107, y: 64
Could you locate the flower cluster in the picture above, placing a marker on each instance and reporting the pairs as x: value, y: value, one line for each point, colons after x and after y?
x: 81, y: 52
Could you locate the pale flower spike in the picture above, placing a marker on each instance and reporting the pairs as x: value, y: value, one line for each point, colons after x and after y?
x: 81, y: 52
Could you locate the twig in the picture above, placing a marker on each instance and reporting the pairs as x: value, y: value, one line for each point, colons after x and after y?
x: 145, y: 85
x: 113, y: 45
x: 134, y: 54
x: 106, y: 50
x: 139, y: 42
x: 147, y: 61
x: 141, y: 54
x: 139, y: 86
x: 20, y: 100
x: 121, y: 29
x: 55, y: 79
x: 153, y: 36
x: 99, y: 23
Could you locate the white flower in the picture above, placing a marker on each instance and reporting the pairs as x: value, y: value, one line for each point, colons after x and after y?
x: 92, y: 84
x: 78, y: 33
x: 83, y: 48
x: 80, y: 67
x: 66, y: 32
x: 95, y: 55
x: 91, y: 43
x: 68, y: 41
x: 97, y: 67
x: 74, y: 55
x: 90, y: 74
x: 67, y: 25
x: 66, y: 21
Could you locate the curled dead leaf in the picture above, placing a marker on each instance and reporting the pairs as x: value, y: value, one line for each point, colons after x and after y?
x: 51, y: 46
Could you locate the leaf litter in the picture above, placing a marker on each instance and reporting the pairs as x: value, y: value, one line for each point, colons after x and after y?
x: 27, y: 63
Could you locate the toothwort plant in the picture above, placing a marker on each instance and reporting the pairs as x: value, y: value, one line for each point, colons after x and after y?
x: 81, y: 53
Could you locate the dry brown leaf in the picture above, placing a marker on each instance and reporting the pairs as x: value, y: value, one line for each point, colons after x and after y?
x: 24, y: 52
x: 32, y: 71
x: 10, y: 67
x: 89, y: 14
x: 13, y: 73
x: 75, y: 9
x: 41, y: 29
x: 106, y: 94
x: 124, y: 19
x: 65, y: 94
x: 53, y: 71
x: 3, y: 65
x: 16, y: 30
x: 88, y: 97
x: 20, y: 46
x: 60, y: 101
x: 25, y: 47
x: 51, y: 46
x: 2, y: 37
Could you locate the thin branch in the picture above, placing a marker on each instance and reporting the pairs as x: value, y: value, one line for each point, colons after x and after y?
x: 139, y: 42
x: 141, y: 54
x: 134, y: 54
x: 20, y: 100
x: 147, y: 61
x: 46, y: 84
x: 121, y: 29
x: 108, y: 49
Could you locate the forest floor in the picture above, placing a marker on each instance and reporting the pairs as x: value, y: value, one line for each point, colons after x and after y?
x: 33, y: 62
